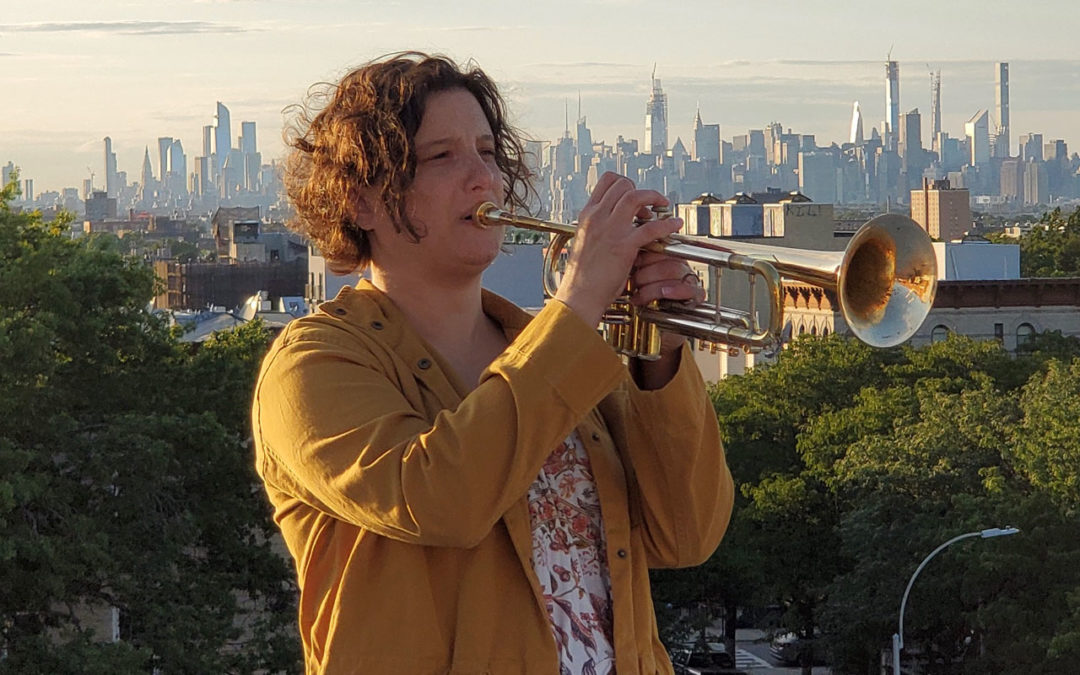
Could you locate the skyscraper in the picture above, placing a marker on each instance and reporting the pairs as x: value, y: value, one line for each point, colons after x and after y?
x: 706, y: 140
x: 111, y: 187
x: 177, y: 169
x: 5, y: 173
x: 247, y: 138
x: 222, y: 136
x: 977, y: 130
x: 856, y: 125
x: 1031, y: 147
x: 252, y: 159
x: 911, y: 147
x: 1002, y: 143
x: 582, y: 141
x: 892, y: 102
x: 207, y: 141
x: 164, y: 146
x: 146, y: 189
x: 935, y: 109
x: 656, y: 119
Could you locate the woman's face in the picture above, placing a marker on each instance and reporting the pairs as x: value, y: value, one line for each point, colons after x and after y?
x: 455, y: 172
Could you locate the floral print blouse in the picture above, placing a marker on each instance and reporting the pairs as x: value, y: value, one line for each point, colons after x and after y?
x: 570, y: 560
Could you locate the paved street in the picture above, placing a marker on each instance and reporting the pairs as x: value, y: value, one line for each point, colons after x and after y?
x: 752, y: 655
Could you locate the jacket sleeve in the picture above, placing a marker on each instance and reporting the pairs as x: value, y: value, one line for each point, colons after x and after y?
x: 333, y: 429
x: 678, y: 472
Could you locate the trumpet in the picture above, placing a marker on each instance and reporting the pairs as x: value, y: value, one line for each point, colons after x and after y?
x: 885, y: 281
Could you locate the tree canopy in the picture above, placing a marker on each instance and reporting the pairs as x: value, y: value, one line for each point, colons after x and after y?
x: 1052, y: 247
x: 853, y: 464
x: 126, y: 479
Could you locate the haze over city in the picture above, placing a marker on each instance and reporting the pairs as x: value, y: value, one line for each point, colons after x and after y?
x: 74, y: 72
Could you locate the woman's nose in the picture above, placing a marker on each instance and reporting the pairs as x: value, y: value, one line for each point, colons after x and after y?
x: 482, y: 173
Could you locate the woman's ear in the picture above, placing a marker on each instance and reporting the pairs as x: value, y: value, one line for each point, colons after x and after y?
x: 366, y: 209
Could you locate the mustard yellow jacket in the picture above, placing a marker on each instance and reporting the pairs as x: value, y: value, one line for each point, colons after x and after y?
x: 402, y: 499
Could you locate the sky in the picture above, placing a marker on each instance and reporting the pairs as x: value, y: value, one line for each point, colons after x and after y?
x: 73, y: 72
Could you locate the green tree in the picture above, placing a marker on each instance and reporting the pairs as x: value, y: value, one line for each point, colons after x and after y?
x: 853, y: 464
x: 125, y: 475
x: 1047, y: 448
x: 1052, y: 247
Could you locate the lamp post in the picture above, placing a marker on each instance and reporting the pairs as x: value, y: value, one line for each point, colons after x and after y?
x: 898, y: 637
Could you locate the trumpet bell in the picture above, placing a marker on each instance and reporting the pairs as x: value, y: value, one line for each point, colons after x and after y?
x: 887, y: 280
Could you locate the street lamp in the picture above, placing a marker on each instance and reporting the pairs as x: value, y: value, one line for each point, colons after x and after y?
x: 898, y: 637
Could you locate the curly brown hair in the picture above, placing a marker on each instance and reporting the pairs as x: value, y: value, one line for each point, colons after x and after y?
x: 359, y: 134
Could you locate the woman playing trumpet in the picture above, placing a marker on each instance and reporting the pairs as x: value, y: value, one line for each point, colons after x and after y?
x: 465, y: 488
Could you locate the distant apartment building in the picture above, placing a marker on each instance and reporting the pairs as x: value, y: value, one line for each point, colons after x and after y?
x: 100, y: 206
x: 944, y: 212
x: 1012, y: 180
x: 818, y: 177
x: 1036, y: 184
x: 194, y: 286
x: 239, y: 236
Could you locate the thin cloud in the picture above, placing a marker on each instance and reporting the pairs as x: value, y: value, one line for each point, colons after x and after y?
x: 125, y: 27
x: 583, y: 64
x: 477, y: 28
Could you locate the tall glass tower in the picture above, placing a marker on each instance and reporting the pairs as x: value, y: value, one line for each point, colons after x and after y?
x: 222, y: 136
x: 656, y: 119
x: 856, y: 125
x: 935, y: 109
x: 1001, y: 99
x: 111, y: 186
x: 892, y: 102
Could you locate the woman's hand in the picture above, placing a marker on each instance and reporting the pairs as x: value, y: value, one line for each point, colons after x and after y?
x: 608, y: 243
x: 662, y: 277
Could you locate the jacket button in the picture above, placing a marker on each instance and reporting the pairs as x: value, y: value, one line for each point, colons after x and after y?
x: 377, y: 325
x: 621, y: 553
x: 340, y: 311
x: 424, y: 364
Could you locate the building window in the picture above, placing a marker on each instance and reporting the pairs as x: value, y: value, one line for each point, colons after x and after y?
x: 999, y: 332
x: 939, y: 333
x: 1023, y: 334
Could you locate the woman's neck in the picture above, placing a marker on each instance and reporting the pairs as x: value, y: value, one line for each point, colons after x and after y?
x: 449, y: 316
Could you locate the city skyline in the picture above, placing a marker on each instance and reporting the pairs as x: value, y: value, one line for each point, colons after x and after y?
x: 71, y: 80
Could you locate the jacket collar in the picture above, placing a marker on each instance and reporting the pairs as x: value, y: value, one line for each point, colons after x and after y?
x: 366, y: 303
x: 369, y: 309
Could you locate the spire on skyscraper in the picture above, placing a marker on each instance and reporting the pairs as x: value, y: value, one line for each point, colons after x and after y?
x: 147, y: 169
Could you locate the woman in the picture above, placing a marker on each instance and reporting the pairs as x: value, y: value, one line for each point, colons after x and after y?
x: 464, y: 488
